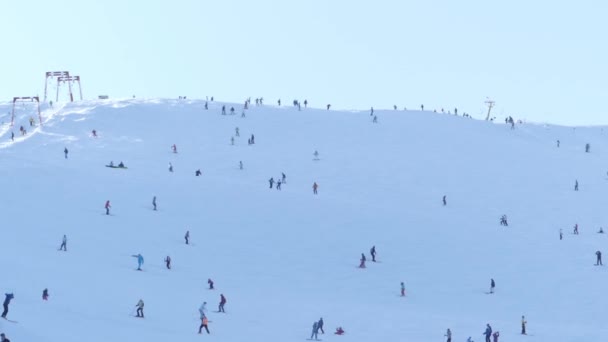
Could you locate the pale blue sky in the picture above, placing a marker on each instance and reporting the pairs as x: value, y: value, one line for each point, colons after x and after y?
x: 540, y: 60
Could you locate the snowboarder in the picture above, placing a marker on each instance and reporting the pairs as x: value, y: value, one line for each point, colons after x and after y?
x: 444, y: 201
x: 140, y: 308
x: 2, y: 336
x: 168, y: 262
x: 362, y: 264
x: 488, y: 332
x: 402, y: 289
x: 576, y: 229
x: 315, y: 328
x: 492, y: 285
x: 240, y: 164
x: 204, y: 324
x: 320, y: 325
x: 598, y: 261
x: 372, y: 251
x: 64, y: 242
x: 198, y: 172
x: 7, y: 300
x: 576, y: 185
x: 108, y: 206
x: 187, y: 237
x: 210, y: 282
x: 65, y: 152
x: 140, y: 261
x: 495, y: 336
x: 271, y: 181
x: 154, y: 202
x: 279, y: 184
x: 315, y: 186
x: 174, y: 148
x: 170, y: 167
x: 448, y: 334
x: 45, y: 294
x: 222, y: 303
x: 523, y: 325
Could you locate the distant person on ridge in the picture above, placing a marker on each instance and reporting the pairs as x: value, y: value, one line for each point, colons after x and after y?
x: 444, y: 201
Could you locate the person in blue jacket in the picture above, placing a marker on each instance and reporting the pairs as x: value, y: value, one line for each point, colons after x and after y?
x: 488, y: 332
x: 140, y: 261
x: 7, y: 301
x: 315, y: 330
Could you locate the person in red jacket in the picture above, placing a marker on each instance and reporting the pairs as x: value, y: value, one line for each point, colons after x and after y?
x: 108, y: 206
x: 222, y: 302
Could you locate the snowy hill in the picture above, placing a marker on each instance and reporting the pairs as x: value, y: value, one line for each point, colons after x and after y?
x: 283, y: 259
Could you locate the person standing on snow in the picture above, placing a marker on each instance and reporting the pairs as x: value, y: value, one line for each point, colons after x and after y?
x: 140, y: 308
x: 154, y: 202
x: 403, y: 291
x: 170, y: 167
x: 7, y: 300
x: 283, y: 178
x: 210, y: 282
x: 187, y: 237
x: 203, y: 310
x: 576, y: 229
x: 174, y: 148
x: 560, y: 234
x: 140, y: 261
x: 444, y: 201
x: 315, y: 186
x: 315, y: 330
x: 271, y: 181
x: 373, y: 253
x: 168, y: 262
x: 320, y: 325
x: 222, y: 303
x: 65, y: 152
x: 492, y: 285
x: 45, y: 294
x: 108, y: 206
x: 362, y: 264
x: 204, y: 324
x: 64, y: 242
x: 279, y: 184
x: 576, y: 185
x: 488, y: 332
x: 598, y: 261
x: 523, y: 325
x: 448, y: 334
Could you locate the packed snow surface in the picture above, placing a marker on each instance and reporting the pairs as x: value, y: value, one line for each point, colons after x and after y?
x: 285, y: 258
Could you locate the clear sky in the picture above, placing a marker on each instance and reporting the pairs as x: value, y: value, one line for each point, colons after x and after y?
x: 539, y: 60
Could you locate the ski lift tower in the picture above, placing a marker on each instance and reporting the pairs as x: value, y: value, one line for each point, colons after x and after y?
x: 490, y: 105
x: 51, y: 74
x: 27, y: 98
x: 69, y: 80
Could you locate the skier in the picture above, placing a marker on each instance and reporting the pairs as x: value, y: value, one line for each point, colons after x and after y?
x: 422, y: 107
x: 523, y: 325
x: 598, y: 261
x: 488, y: 332
x: 64, y: 242
x: 168, y: 262
x: 140, y: 261
x: 271, y: 181
x: 283, y: 178
x: 170, y: 167
x: 7, y: 300
x: 328, y: 106
x: 204, y: 324
x: 320, y: 325
x: 210, y: 282
x: 187, y: 237
x: 65, y: 152
x: 174, y: 148
x: 108, y: 206
x: 373, y: 253
x: 576, y: 229
x: 2, y: 336
x: 140, y: 308
x: 315, y: 330
x: 444, y: 201
x: 279, y: 102
x: 403, y: 290
x: 362, y: 264
x: 240, y: 164
x: 154, y: 202
x: 448, y: 334
x: 495, y: 336
x: 576, y: 185
x: 315, y: 186
x: 222, y: 303
x: 45, y: 294
x: 203, y: 310
x: 206, y: 105
x: 492, y: 285
x: 279, y: 184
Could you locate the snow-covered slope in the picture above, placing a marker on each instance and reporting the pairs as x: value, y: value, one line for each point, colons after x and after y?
x: 286, y: 258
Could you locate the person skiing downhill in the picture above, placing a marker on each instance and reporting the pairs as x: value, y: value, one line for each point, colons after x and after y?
x: 7, y: 300
x: 362, y: 264
x: 222, y: 303
x: 108, y: 206
x: 140, y: 308
x: 523, y: 325
x: 492, y: 285
x: 488, y: 332
x: 403, y: 290
x: 448, y: 334
x: 373, y: 253
x: 140, y: 261
x: 210, y: 282
x: 45, y: 294
x: 64, y: 242
x: 168, y: 262
x: 315, y: 330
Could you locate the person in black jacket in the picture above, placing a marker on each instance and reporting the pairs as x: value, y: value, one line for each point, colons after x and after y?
x: 7, y: 301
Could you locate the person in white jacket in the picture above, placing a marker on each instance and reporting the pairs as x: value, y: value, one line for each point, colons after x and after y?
x: 203, y: 310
